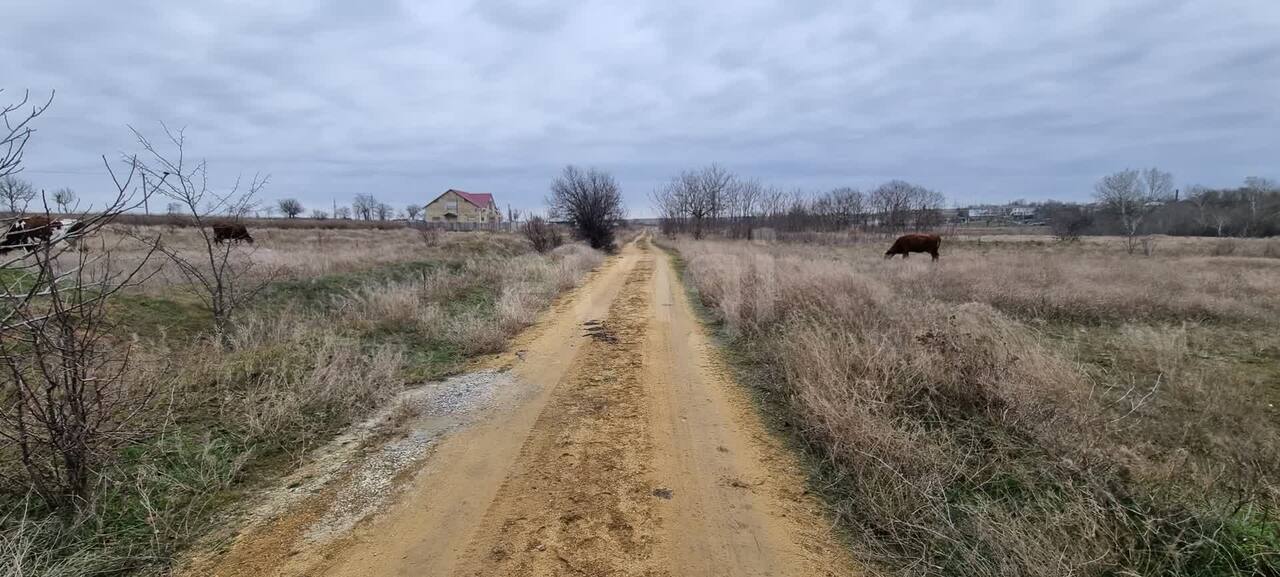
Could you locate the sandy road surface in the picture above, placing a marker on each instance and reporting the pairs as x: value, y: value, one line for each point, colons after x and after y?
x: 621, y: 448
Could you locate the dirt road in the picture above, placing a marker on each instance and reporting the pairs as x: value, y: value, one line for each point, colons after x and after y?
x: 620, y: 446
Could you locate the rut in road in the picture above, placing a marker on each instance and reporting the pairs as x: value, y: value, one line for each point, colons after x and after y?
x: 622, y: 447
x: 579, y: 500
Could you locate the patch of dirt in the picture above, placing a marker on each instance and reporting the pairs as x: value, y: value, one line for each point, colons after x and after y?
x: 624, y: 448
x: 353, y: 476
x: 579, y: 500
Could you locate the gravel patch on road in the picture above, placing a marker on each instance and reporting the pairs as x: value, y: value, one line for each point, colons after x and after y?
x: 361, y: 465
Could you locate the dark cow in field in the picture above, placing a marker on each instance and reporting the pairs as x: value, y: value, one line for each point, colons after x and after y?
x: 31, y: 231
x: 230, y: 231
x: 909, y: 243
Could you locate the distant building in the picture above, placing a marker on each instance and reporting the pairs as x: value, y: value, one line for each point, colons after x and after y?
x: 997, y: 213
x: 459, y: 206
x: 980, y: 212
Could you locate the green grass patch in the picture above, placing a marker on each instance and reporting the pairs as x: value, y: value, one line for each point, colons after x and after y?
x: 161, y: 495
x: 178, y: 317
x: 319, y: 292
x: 16, y: 280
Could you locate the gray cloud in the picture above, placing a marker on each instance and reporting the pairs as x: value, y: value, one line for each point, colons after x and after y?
x: 983, y: 99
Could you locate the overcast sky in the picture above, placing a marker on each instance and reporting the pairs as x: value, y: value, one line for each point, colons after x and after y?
x: 984, y: 100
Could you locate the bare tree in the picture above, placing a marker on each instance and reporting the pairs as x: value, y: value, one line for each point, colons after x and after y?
x: 1157, y: 185
x: 412, y: 210
x: 797, y: 215
x: 383, y: 210
x: 69, y: 398
x: 342, y: 212
x: 927, y: 208
x: 1221, y: 219
x: 838, y: 209
x: 219, y: 274
x: 590, y: 201
x: 364, y: 206
x: 1256, y: 189
x: 849, y: 206
x: 513, y: 215
x: 1200, y: 197
x: 17, y: 131
x: 701, y: 194
x: 773, y: 205
x: 319, y: 214
x: 1127, y: 195
x: 893, y: 202
x: 744, y: 204
x: 290, y: 207
x: 65, y: 198
x: 16, y: 193
x: 541, y: 234
x: 670, y: 212
x: 697, y: 200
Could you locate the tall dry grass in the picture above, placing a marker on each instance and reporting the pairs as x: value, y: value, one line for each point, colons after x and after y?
x: 347, y: 325
x: 293, y: 375
x: 522, y: 287
x: 300, y: 253
x: 1020, y: 410
x: 1041, y: 239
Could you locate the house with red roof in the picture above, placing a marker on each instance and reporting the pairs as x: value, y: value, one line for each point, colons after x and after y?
x: 461, y: 206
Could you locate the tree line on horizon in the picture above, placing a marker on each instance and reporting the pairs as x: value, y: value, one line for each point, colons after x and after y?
x: 713, y: 200
x: 1130, y: 203
x: 1133, y: 203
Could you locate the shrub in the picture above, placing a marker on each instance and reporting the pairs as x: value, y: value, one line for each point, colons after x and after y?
x: 591, y: 202
x: 543, y: 235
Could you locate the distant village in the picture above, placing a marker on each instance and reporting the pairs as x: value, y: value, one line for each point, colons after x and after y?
x: 1011, y: 214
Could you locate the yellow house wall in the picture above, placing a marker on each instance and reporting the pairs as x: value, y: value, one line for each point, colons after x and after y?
x: 466, y: 212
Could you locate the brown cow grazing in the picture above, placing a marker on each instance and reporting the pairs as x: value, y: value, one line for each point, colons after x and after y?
x: 230, y: 231
x: 909, y: 243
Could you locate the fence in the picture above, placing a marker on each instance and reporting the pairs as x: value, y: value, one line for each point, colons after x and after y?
x: 462, y: 226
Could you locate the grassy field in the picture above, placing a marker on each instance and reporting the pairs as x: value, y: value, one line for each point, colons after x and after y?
x: 1022, y: 407
x: 346, y: 319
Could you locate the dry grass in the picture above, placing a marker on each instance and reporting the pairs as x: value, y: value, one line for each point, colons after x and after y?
x: 1021, y: 409
x: 1068, y: 282
x: 352, y: 317
x: 1038, y: 237
x: 299, y: 253
x: 179, y: 221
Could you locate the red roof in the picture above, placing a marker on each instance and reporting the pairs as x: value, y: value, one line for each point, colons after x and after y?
x: 480, y: 199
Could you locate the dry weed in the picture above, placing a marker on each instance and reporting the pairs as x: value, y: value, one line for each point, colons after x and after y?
x: 964, y: 438
x: 295, y: 372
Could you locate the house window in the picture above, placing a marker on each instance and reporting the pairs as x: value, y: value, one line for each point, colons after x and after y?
x: 451, y: 205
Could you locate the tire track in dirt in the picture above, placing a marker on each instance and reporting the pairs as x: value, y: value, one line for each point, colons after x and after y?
x: 621, y: 446
x: 739, y: 502
x: 441, y: 500
x: 580, y: 500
